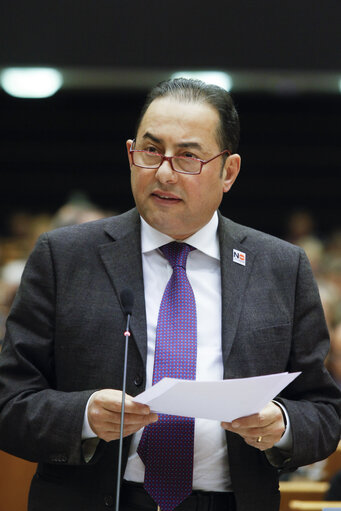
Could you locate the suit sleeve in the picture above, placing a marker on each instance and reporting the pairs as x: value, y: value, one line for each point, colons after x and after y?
x: 312, y: 400
x: 37, y: 421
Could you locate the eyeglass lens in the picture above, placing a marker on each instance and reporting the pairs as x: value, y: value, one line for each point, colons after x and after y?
x: 152, y: 160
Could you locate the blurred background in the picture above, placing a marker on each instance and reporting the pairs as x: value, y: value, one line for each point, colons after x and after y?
x: 63, y: 157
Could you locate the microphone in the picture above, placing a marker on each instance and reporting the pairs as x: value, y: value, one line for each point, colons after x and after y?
x: 127, y: 301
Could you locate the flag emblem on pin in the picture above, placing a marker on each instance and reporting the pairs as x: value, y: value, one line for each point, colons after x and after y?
x: 239, y: 257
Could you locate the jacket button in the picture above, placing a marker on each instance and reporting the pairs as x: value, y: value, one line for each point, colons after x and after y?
x: 138, y: 380
x: 108, y: 501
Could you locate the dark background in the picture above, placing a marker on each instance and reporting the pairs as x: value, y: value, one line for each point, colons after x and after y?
x: 76, y: 140
x: 294, y: 34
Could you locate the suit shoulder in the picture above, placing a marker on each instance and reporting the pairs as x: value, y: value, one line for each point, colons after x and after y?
x: 90, y: 233
x: 256, y: 240
x: 77, y: 235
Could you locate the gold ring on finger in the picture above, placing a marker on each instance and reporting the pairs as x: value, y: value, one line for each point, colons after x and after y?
x: 259, y: 439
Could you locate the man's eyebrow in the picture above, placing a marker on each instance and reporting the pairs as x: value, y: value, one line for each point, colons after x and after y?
x: 152, y: 137
x: 194, y: 145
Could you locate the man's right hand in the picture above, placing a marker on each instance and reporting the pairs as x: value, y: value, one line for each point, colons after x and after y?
x: 104, y: 414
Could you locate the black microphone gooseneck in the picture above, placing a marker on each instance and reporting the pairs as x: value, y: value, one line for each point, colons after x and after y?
x: 127, y: 300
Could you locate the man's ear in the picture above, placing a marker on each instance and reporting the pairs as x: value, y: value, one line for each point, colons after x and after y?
x: 231, y: 170
x: 129, y: 143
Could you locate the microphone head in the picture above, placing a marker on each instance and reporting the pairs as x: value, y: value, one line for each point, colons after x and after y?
x: 127, y: 300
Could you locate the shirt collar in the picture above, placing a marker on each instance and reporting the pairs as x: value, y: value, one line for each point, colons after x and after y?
x: 206, y: 239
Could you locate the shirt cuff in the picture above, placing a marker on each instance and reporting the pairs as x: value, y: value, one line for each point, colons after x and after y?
x: 86, y: 430
x: 285, y: 443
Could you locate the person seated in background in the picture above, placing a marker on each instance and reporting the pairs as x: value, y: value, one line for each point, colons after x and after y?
x: 334, y: 357
x: 334, y: 492
x: 24, y: 230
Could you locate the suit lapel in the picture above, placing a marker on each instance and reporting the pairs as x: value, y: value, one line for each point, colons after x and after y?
x: 123, y: 263
x: 234, y: 278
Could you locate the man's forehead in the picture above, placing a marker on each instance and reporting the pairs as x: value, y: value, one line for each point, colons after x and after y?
x: 167, y: 110
x: 164, y: 102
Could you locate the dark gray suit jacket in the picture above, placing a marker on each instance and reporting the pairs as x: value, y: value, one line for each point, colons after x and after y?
x: 65, y: 340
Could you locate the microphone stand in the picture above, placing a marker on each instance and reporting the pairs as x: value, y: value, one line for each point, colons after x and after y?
x: 119, y: 468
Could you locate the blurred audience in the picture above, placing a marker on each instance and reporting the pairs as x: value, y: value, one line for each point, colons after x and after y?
x: 324, y: 253
x: 300, y: 225
x: 78, y: 210
x: 23, y: 230
x: 334, y: 358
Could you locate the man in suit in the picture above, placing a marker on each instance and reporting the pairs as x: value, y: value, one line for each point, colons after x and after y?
x: 258, y: 312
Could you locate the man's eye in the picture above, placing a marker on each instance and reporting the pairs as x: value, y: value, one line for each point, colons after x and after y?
x: 189, y: 155
x: 151, y: 149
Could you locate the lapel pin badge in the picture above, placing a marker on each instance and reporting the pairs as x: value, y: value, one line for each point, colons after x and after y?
x: 239, y: 257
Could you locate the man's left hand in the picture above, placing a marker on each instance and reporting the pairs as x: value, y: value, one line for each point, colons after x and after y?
x: 262, y: 430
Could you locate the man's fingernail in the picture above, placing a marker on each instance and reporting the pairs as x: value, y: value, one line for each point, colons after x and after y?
x: 235, y: 424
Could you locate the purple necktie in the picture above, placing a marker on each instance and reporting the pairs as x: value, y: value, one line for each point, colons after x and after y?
x: 166, y: 446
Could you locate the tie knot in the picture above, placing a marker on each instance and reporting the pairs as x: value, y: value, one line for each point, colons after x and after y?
x: 176, y: 253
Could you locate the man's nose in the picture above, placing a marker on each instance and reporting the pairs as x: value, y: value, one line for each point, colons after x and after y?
x: 165, y: 173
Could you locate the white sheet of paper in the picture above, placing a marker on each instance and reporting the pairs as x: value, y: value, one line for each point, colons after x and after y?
x: 224, y: 400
